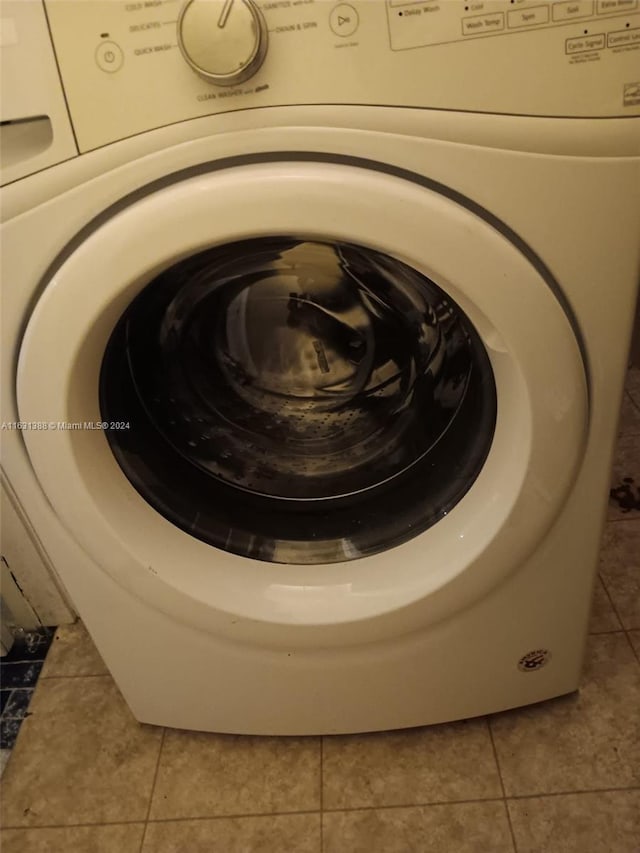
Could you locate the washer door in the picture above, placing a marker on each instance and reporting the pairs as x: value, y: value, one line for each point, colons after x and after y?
x: 282, y: 394
x: 302, y: 403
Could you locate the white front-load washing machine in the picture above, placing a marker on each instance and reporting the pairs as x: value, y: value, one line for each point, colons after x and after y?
x: 315, y: 320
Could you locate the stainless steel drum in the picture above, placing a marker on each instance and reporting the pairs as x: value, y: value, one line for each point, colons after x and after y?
x: 297, y: 400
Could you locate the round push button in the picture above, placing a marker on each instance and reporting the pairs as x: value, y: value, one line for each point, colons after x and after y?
x: 109, y: 57
x: 343, y: 20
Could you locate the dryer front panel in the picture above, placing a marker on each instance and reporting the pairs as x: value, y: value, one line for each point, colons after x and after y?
x: 303, y: 402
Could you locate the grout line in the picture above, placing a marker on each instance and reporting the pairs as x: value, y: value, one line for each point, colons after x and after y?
x: 153, y: 788
x: 315, y: 811
x: 232, y: 816
x: 511, y: 832
x: 142, y: 821
x: 635, y: 653
x: 55, y: 677
x: 32, y: 827
x: 484, y: 799
x: 502, y: 788
x: 602, y: 634
x: 569, y: 792
x: 612, y: 603
x: 327, y: 811
x: 495, y: 757
x: 635, y: 405
x: 613, y: 608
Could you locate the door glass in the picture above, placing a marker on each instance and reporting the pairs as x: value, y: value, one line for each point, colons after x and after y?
x: 298, y: 401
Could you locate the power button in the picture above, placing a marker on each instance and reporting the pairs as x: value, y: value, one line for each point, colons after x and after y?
x: 109, y: 57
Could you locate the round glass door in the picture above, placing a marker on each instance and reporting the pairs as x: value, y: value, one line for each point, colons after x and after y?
x: 297, y: 400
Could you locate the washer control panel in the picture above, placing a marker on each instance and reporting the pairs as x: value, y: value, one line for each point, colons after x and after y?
x: 421, y: 23
x: 128, y: 66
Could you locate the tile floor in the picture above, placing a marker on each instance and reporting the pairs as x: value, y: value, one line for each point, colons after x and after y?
x: 559, y: 777
x: 19, y: 672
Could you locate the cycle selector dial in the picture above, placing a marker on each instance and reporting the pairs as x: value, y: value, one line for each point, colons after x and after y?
x: 224, y: 41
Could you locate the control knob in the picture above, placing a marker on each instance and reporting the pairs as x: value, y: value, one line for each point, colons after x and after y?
x: 224, y: 41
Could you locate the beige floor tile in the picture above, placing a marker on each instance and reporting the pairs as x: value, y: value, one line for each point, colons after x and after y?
x: 298, y: 833
x: 410, y: 767
x: 634, y: 636
x: 629, y: 417
x: 603, y: 616
x: 72, y: 653
x: 583, y: 741
x: 121, y: 838
x: 205, y: 775
x: 80, y: 757
x: 606, y: 822
x: 626, y: 466
x: 620, y: 569
x: 4, y: 759
x: 451, y: 828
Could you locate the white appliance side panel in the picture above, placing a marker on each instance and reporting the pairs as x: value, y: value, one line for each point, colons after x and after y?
x: 43, y: 601
x: 35, y: 130
x: 124, y: 73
